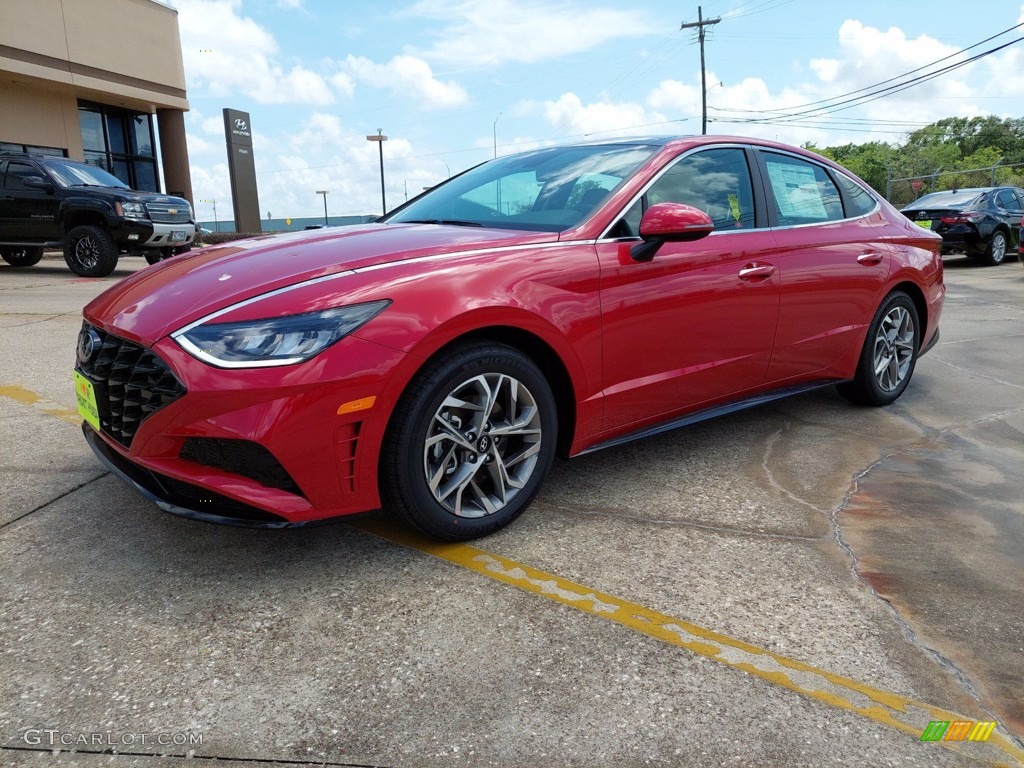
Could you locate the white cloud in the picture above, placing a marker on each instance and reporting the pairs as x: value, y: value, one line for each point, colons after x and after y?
x: 486, y: 34
x: 409, y: 77
x: 226, y: 54
x: 570, y: 116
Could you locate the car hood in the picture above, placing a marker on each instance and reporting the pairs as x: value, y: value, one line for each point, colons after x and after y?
x: 161, y: 299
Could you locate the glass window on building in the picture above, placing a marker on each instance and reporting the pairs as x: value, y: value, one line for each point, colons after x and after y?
x: 120, y: 141
x: 6, y: 146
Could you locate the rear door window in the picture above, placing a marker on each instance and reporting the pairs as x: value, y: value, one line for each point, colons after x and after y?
x: 802, y: 192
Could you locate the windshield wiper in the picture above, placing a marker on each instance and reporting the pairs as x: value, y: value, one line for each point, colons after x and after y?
x: 452, y: 222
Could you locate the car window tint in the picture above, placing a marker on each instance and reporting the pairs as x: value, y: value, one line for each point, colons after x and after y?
x: 802, y: 191
x: 1006, y: 199
x: 16, y: 173
x: 858, y: 200
x: 716, y: 181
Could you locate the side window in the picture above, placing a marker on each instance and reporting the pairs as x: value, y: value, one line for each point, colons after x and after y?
x: 858, y: 200
x: 1006, y: 199
x: 803, y: 193
x: 16, y: 172
x: 716, y: 181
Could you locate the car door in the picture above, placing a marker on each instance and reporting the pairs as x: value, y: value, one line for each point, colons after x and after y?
x: 696, y: 323
x: 1010, y: 211
x: 29, y: 214
x: 833, y: 264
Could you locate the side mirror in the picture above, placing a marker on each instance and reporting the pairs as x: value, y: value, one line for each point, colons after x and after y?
x: 37, y: 182
x: 669, y: 223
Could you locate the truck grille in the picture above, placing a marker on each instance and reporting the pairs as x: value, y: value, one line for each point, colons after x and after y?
x: 131, y: 383
x: 169, y: 213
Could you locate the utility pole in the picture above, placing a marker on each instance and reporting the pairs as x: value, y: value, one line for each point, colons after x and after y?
x: 700, y: 23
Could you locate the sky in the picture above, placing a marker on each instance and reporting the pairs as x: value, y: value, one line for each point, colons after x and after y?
x: 452, y: 82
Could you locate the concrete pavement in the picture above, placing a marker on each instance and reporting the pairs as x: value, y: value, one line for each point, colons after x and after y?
x: 879, y: 545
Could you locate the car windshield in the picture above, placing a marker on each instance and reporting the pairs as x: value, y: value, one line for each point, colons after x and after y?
x: 70, y: 174
x: 548, y: 190
x: 960, y: 199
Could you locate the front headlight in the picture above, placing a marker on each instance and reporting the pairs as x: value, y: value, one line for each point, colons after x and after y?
x: 132, y: 210
x: 274, y: 341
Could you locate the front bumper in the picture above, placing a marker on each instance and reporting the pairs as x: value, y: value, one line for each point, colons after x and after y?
x: 299, y: 458
x: 163, y: 235
x: 178, y: 498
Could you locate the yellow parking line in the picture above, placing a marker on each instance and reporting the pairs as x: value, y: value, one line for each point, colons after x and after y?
x: 40, y: 403
x: 838, y: 691
x: 872, y: 703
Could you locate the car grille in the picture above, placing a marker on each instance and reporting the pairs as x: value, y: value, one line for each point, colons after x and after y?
x: 241, y: 457
x: 169, y: 213
x: 131, y: 383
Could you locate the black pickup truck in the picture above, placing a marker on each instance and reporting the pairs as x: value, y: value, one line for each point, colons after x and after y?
x: 94, y: 217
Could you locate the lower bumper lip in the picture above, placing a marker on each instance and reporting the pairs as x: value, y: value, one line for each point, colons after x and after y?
x: 158, y: 490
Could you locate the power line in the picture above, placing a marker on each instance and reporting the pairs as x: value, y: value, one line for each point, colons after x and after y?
x: 788, y: 113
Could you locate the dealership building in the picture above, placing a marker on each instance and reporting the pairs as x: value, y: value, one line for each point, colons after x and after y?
x: 99, y: 81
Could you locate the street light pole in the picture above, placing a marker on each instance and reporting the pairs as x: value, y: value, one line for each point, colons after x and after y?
x: 496, y: 134
x: 380, y: 138
x: 324, y: 193
x: 216, y: 222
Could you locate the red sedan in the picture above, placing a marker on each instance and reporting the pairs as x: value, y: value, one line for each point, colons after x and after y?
x: 558, y: 301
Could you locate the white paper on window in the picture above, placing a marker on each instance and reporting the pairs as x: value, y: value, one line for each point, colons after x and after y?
x: 796, y: 190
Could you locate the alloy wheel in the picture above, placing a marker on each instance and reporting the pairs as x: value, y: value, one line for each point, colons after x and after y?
x: 894, y: 348
x: 482, y: 445
x: 87, y: 252
x: 998, y: 248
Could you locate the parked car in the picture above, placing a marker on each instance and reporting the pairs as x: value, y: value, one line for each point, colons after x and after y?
x: 53, y: 202
x: 978, y: 222
x: 553, y: 302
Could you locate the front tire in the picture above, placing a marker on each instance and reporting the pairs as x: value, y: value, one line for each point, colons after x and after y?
x: 469, y: 443
x: 22, y: 256
x: 90, y: 251
x: 995, y: 254
x: 889, y: 355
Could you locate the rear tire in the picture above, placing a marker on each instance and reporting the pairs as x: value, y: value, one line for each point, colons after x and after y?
x: 995, y: 254
x: 469, y: 442
x: 22, y: 256
x: 889, y: 356
x: 90, y: 251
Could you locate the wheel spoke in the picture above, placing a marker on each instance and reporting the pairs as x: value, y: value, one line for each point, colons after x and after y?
x: 448, y: 432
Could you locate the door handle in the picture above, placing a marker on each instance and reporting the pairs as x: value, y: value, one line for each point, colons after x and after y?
x: 870, y: 259
x: 757, y: 272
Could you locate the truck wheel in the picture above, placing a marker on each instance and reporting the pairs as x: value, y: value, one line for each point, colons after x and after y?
x: 90, y: 251
x: 23, y: 256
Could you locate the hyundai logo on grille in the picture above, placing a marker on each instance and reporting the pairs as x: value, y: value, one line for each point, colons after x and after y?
x: 88, y: 342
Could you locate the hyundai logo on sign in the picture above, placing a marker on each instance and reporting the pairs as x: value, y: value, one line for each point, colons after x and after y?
x: 240, y: 127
